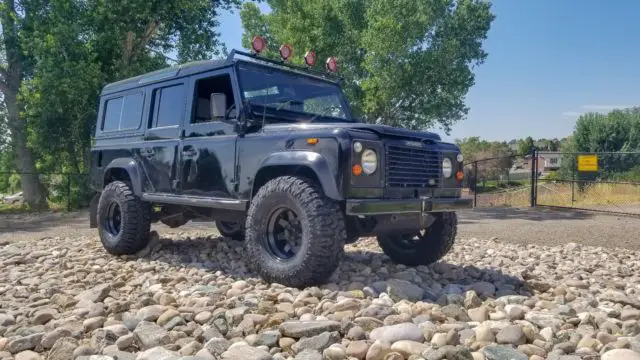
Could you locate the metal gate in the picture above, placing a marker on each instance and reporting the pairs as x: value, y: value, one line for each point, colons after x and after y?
x: 607, y: 182
x: 604, y: 182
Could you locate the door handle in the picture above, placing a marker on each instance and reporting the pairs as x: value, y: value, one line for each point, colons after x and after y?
x: 189, y: 152
x: 147, y: 152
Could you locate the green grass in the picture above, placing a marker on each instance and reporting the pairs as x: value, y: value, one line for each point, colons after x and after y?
x: 25, y: 209
x: 495, y: 185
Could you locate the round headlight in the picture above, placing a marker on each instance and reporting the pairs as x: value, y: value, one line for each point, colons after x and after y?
x: 357, y: 146
x: 447, y: 169
x: 459, y: 157
x: 369, y: 161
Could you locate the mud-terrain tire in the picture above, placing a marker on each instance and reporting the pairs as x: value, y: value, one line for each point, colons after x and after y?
x: 123, y: 220
x: 294, y: 234
x: 232, y: 230
x: 423, y: 248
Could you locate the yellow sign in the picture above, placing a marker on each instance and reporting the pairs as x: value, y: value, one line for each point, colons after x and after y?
x: 587, y: 162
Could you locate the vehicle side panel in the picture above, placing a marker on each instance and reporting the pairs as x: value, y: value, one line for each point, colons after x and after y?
x: 255, y: 149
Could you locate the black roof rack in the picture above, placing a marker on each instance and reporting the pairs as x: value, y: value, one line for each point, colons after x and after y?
x: 325, y: 74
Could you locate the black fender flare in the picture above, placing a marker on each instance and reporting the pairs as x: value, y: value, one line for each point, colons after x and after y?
x: 312, y: 160
x: 131, y: 167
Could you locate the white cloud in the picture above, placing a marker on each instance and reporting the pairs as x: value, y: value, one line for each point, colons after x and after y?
x: 605, y: 107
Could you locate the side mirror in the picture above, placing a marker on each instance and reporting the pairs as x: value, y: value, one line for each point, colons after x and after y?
x: 218, y: 106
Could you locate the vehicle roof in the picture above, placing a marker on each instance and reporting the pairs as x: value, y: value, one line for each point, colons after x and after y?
x: 168, y: 73
x: 194, y: 67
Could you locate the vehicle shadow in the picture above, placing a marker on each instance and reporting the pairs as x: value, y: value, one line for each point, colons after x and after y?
x: 42, y: 221
x: 529, y: 214
x: 360, y: 268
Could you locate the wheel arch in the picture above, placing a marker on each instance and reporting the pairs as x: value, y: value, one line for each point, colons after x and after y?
x: 298, y: 163
x: 124, y: 169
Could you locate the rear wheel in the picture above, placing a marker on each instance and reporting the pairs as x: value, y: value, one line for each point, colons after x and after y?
x: 123, y: 220
x: 294, y: 234
x: 232, y: 230
x: 424, y: 247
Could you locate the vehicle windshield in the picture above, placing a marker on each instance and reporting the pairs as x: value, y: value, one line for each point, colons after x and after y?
x: 292, y: 96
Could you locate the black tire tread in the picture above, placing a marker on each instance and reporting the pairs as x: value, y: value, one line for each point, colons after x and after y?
x: 134, y: 235
x: 327, y: 233
x: 437, y: 243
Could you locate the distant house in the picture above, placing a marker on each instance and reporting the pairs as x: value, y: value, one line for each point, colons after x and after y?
x: 547, y: 161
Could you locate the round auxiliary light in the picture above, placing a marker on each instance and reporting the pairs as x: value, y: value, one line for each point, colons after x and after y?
x: 459, y: 157
x: 369, y: 161
x: 357, y: 146
x: 310, y: 58
x: 447, y: 169
x: 332, y: 64
x: 285, y: 51
x: 258, y: 44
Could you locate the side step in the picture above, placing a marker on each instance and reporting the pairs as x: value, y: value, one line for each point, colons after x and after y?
x: 200, y: 201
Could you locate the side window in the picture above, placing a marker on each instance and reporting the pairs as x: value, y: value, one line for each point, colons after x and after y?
x: 204, y: 88
x: 112, y: 113
x: 123, y: 113
x: 132, y: 111
x: 168, y: 105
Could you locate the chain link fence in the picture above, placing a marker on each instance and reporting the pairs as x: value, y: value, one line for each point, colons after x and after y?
x: 63, y: 191
x: 502, y: 181
x: 604, y: 181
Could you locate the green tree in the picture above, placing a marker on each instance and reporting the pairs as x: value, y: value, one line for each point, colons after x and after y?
x: 525, y: 146
x: 16, y: 64
x: 57, y: 54
x: 405, y: 63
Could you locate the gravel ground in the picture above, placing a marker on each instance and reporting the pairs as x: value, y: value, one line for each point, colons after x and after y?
x: 189, y: 295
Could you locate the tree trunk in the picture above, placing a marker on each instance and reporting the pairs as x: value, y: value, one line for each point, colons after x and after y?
x: 11, y: 77
x: 33, y: 190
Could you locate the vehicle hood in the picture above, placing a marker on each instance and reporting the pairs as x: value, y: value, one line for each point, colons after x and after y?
x: 380, y: 130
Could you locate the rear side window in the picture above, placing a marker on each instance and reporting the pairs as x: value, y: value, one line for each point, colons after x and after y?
x: 123, y: 113
x: 168, y: 105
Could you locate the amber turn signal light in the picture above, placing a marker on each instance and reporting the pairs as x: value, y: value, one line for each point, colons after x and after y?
x: 459, y: 175
x: 312, y: 141
x: 356, y: 170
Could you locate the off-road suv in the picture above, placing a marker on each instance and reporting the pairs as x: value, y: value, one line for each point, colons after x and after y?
x: 273, y: 155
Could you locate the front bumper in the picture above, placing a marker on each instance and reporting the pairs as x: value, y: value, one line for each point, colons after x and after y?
x: 423, y: 205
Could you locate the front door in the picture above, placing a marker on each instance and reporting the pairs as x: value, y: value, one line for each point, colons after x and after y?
x: 208, y: 148
x: 158, y: 153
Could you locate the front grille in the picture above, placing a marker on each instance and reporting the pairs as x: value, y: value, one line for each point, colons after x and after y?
x: 412, y: 167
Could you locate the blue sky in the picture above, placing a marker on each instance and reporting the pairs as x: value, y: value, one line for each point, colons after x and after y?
x: 549, y: 61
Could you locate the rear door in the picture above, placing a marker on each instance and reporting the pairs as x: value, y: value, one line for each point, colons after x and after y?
x: 159, y: 153
x: 208, y: 148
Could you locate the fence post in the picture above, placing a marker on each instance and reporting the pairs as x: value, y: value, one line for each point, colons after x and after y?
x: 475, y: 183
x: 534, y: 176
x: 573, y: 182
x: 69, y: 192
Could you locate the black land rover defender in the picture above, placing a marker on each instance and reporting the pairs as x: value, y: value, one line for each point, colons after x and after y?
x: 272, y: 154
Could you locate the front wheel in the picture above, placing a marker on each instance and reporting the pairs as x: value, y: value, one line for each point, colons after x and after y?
x: 123, y: 220
x: 425, y: 247
x: 294, y: 234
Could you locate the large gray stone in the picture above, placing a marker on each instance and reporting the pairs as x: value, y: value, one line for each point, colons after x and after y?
x: 494, y: 352
x: 299, y: 329
x: 393, y: 333
x: 149, y: 335
x: 245, y: 352
x: 318, y: 342
x: 96, y: 294
x: 158, y: 353
x: 621, y: 354
x: 24, y: 343
x: 402, y: 289
x: 63, y: 349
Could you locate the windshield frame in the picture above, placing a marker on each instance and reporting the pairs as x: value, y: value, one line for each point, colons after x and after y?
x: 294, y: 73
